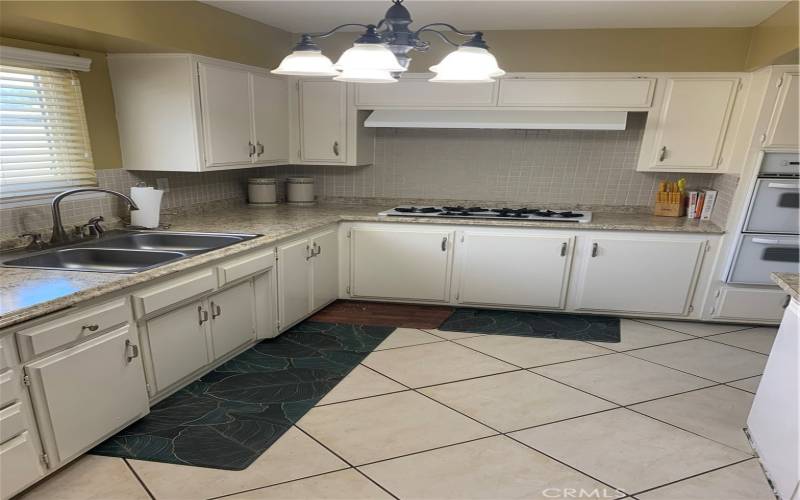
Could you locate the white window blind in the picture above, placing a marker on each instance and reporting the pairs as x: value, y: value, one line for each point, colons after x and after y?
x: 44, y: 141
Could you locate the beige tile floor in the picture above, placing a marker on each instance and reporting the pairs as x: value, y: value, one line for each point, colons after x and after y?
x: 444, y: 415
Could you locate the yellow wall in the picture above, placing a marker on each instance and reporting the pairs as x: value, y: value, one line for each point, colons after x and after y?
x: 706, y: 49
x: 98, y: 101
x: 776, y: 39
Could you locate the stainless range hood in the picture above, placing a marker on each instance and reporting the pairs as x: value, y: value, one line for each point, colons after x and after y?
x: 497, y: 119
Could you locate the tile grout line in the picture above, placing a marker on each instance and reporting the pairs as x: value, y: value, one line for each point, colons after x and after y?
x: 279, y: 483
x: 138, y: 478
x: 694, y: 476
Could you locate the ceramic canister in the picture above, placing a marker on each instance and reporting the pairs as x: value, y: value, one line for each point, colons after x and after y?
x: 300, y: 190
x: 261, y: 191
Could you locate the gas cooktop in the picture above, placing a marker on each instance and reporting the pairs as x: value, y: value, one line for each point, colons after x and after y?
x: 491, y: 213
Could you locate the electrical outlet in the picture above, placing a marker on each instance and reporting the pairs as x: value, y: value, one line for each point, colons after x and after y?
x: 162, y: 183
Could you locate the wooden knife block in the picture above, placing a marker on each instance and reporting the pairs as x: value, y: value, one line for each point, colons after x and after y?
x: 670, y: 208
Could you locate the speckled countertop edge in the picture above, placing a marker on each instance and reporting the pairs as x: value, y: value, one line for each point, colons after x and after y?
x: 789, y: 282
x: 24, y: 292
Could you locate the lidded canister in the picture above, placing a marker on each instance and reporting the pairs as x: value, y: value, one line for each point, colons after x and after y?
x: 261, y: 191
x: 300, y: 190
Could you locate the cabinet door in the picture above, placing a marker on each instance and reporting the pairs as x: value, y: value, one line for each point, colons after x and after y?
x: 577, y: 92
x: 232, y: 318
x: 398, y: 263
x: 20, y: 464
x: 323, y: 115
x: 87, y: 392
x: 783, y: 127
x: 514, y: 269
x: 270, y: 118
x: 225, y: 100
x: 639, y: 275
x: 324, y: 268
x: 178, y: 344
x: 693, y: 122
x: 294, y: 281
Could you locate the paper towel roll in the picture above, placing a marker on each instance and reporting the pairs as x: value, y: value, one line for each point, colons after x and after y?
x: 149, y: 203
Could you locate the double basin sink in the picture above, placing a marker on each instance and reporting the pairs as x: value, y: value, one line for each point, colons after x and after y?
x: 127, y: 251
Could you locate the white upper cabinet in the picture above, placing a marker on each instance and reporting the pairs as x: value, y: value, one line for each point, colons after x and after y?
x: 180, y: 112
x: 270, y: 118
x: 644, y: 275
x: 401, y: 263
x: 323, y: 121
x: 225, y: 101
x: 415, y: 91
x: 585, y: 92
x: 514, y: 269
x: 688, y: 130
x: 783, y: 128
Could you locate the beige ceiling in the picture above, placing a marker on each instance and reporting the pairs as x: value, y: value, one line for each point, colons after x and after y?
x: 300, y: 16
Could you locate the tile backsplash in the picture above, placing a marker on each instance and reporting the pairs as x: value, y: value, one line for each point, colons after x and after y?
x: 548, y: 168
x: 538, y: 167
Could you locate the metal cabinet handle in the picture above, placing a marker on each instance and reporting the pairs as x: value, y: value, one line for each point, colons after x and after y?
x: 317, y: 250
x: 594, y: 249
x: 564, y: 249
x: 131, y: 351
x: 216, y: 310
x: 786, y: 301
x: 309, y: 252
x: 662, y: 153
x: 336, y: 148
x: 260, y: 149
x: 444, y: 244
x: 91, y: 328
x: 251, y: 148
x: 202, y: 314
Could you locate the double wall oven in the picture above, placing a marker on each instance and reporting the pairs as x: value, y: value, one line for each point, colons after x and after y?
x: 769, y: 241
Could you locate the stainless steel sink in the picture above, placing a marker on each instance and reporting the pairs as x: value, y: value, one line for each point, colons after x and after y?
x: 170, y: 241
x: 126, y: 251
x: 105, y: 260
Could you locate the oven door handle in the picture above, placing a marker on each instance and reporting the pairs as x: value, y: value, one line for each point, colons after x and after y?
x: 782, y: 185
x: 772, y: 241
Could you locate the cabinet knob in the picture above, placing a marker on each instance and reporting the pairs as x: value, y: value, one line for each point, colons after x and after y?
x: 91, y: 328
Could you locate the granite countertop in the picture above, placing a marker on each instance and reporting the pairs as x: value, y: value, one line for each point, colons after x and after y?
x: 790, y: 282
x: 30, y: 293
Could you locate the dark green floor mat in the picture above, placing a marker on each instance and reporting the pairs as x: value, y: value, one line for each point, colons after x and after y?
x: 230, y: 416
x: 534, y: 324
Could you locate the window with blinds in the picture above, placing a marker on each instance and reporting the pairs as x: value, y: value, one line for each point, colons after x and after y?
x: 44, y: 141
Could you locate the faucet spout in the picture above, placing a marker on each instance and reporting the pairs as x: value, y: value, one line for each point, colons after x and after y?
x: 59, y: 234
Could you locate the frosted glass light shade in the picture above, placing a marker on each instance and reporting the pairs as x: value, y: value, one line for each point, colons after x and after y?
x: 467, y: 64
x: 368, y: 56
x: 366, y: 76
x: 306, y: 63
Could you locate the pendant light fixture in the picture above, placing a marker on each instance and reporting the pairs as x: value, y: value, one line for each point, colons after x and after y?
x: 380, y: 55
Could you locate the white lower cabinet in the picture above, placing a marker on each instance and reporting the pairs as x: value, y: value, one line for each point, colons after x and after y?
x: 178, y: 344
x: 516, y: 269
x: 308, y: 276
x: 639, y: 274
x: 87, y: 392
x: 232, y: 318
x: 401, y: 263
x: 20, y: 464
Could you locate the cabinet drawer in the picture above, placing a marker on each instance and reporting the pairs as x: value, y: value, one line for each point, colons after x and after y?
x: 246, y: 266
x: 8, y: 352
x: 750, y: 304
x: 19, y: 464
x: 51, y: 335
x: 173, y: 292
x: 12, y: 422
x: 9, y: 387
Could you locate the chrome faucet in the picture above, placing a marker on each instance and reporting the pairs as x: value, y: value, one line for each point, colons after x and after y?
x: 60, y: 236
